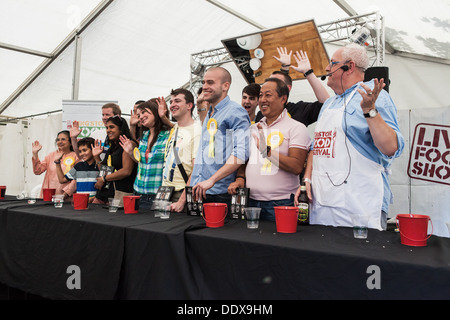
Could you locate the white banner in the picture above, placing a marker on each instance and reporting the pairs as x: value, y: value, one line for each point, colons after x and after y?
x: 87, y: 113
x: 421, y: 176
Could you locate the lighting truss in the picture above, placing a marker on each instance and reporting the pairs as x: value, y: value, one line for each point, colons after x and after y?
x: 203, y: 60
x: 343, y: 29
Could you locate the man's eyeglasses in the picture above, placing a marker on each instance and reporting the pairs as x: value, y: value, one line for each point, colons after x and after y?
x: 333, y: 63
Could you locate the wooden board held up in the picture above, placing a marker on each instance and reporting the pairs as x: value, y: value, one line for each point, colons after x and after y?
x: 301, y: 36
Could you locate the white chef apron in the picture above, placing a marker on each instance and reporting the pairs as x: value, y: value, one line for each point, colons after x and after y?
x: 362, y: 193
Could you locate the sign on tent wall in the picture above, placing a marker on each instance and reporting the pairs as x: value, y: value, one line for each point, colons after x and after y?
x: 421, y: 176
x: 89, y: 116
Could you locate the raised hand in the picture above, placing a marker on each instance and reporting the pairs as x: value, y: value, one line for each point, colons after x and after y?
x: 134, y: 119
x: 302, y: 60
x: 75, y: 130
x: 162, y: 107
x: 285, y: 57
x: 35, y: 148
x: 97, y: 148
x: 126, y: 144
x: 370, y: 96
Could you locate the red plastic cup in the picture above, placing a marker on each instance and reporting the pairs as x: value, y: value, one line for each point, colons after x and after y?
x: 2, y: 192
x: 286, y: 219
x: 80, y: 201
x: 48, y: 193
x: 131, y: 204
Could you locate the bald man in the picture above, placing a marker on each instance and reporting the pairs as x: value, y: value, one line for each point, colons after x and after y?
x: 224, y: 144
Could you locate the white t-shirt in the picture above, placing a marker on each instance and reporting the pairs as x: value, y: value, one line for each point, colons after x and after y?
x: 188, y: 139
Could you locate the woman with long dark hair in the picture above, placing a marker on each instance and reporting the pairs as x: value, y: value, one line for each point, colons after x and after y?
x: 120, y: 178
x: 150, y: 153
x: 64, y: 154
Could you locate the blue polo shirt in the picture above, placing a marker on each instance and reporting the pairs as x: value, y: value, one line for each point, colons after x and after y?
x: 232, y: 138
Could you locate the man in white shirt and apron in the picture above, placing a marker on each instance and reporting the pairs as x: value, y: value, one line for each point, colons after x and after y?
x: 355, y: 140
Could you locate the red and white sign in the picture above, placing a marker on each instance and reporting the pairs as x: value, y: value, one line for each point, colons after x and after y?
x: 430, y: 153
x: 324, y: 142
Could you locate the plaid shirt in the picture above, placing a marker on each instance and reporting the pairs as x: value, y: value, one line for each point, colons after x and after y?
x: 149, y: 175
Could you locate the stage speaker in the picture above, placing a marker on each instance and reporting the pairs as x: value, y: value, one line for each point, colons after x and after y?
x: 379, y: 73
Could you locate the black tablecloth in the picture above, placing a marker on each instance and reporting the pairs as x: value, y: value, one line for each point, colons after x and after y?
x: 139, y: 256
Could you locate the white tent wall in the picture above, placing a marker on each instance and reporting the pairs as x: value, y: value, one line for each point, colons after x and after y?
x: 12, y: 156
x: 418, y: 84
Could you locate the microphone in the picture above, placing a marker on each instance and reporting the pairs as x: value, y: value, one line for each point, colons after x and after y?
x: 345, y: 68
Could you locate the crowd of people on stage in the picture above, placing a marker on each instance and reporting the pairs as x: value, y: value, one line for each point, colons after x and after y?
x: 344, y: 166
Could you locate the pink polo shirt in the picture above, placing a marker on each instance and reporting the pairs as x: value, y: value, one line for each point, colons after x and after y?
x: 275, y: 184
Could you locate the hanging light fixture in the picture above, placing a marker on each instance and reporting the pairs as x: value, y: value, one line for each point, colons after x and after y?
x: 249, y: 42
x: 360, y: 36
x: 196, y: 67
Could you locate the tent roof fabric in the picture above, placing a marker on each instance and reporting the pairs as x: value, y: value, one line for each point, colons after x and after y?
x: 141, y: 49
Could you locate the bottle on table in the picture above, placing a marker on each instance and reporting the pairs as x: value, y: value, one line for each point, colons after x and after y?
x: 303, y: 207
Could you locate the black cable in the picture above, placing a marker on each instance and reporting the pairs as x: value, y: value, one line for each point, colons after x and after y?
x: 345, y: 141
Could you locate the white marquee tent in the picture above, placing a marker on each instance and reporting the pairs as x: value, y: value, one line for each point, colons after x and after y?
x: 127, y: 50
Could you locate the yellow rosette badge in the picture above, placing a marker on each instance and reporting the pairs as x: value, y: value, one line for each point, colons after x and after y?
x: 109, y: 161
x: 137, y: 154
x: 274, y: 140
x: 68, y: 162
x: 212, y: 130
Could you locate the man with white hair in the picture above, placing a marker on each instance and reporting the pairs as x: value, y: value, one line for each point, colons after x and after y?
x: 355, y: 141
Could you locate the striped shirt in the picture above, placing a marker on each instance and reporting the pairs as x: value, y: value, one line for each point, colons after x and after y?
x: 149, y: 175
x: 86, y: 176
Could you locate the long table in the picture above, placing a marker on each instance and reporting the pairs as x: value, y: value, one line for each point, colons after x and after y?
x: 45, y: 251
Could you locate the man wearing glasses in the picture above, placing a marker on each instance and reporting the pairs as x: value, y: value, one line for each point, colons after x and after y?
x: 356, y: 139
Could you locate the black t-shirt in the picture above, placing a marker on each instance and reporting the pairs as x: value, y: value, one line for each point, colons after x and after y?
x: 304, y: 112
x: 126, y: 184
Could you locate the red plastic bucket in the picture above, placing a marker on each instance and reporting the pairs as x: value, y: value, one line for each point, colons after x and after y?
x: 286, y: 219
x: 48, y: 193
x: 80, y: 201
x: 413, y: 229
x: 215, y: 214
x: 2, y: 192
x: 131, y: 204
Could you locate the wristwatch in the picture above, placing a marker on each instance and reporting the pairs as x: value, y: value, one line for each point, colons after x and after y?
x: 371, y: 114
